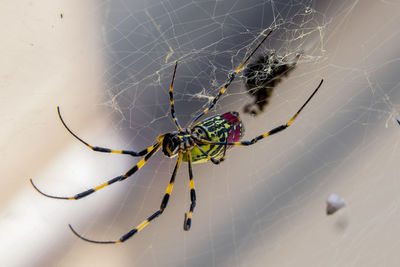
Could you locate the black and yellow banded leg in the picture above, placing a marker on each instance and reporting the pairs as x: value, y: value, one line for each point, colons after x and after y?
x: 188, y: 217
x: 271, y: 132
x: 171, y: 100
x: 230, y: 79
x: 213, y: 160
x: 119, y: 178
x: 103, y: 149
x: 149, y: 219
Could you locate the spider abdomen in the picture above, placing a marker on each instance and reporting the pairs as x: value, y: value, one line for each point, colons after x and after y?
x: 227, y: 127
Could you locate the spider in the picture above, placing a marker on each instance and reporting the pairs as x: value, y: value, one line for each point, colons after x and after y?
x: 205, y: 141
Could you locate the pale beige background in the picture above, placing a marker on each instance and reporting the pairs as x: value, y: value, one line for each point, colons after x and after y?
x: 264, y: 206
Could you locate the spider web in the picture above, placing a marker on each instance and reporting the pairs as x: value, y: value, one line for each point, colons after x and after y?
x: 265, y: 204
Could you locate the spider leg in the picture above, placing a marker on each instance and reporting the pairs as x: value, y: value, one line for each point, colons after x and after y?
x: 213, y: 160
x: 103, y: 149
x: 119, y: 178
x: 230, y: 79
x: 171, y: 99
x: 271, y: 132
x: 149, y: 219
x: 188, y: 217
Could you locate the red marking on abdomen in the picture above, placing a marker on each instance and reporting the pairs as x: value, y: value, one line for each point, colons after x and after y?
x: 233, y: 119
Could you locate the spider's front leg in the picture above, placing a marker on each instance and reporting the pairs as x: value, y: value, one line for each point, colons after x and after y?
x: 104, y: 149
x: 119, y: 178
x: 230, y: 79
x: 148, y: 220
x: 171, y: 99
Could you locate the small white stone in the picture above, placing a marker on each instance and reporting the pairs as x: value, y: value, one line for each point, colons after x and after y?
x: 333, y: 204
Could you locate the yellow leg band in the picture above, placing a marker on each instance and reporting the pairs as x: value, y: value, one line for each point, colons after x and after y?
x: 142, y: 225
x: 141, y: 163
x: 100, y: 186
x: 191, y: 184
x: 169, y: 188
x: 189, y: 215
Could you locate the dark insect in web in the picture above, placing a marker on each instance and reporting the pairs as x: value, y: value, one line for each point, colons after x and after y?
x: 263, y: 75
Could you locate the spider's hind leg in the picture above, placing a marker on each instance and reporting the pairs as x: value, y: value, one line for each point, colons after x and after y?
x: 270, y: 132
x: 188, y: 217
x: 212, y: 159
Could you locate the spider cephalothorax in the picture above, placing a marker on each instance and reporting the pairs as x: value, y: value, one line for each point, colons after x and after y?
x: 205, y: 141
x: 171, y: 144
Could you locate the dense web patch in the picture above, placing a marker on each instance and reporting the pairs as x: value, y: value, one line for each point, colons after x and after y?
x: 210, y: 40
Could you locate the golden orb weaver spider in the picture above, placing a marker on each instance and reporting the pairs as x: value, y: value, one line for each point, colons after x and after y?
x: 205, y: 141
